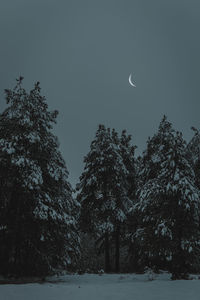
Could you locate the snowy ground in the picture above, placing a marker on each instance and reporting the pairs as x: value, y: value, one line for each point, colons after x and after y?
x: 104, y: 287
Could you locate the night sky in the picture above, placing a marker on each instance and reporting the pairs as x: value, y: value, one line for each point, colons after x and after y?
x: 82, y: 52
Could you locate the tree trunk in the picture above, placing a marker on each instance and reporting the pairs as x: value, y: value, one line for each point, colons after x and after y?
x: 107, y: 254
x: 117, y: 244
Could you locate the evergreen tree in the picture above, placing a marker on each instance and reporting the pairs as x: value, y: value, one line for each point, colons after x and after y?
x: 38, y: 224
x: 103, y: 190
x: 168, y: 204
x: 127, y: 152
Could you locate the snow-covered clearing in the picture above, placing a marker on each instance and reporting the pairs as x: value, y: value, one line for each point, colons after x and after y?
x: 104, y: 287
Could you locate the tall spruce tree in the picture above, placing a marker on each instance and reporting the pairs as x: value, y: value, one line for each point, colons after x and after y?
x: 103, y: 190
x: 168, y: 204
x: 38, y: 226
x: 127, y: 152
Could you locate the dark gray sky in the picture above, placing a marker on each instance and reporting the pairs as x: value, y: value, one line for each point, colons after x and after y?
x: 82, y: 52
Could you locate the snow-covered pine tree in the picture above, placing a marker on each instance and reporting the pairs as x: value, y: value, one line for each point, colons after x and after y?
x: 102, y: 188
x: 168, y: 204
x: 38, y: 225
x: 178, y: 179
x: 147, y: 168
x: 127, y: 152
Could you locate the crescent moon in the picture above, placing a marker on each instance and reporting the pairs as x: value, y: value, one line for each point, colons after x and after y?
x: 130, y: 81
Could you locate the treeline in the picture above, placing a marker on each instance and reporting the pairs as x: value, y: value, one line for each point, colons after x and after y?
x: 142, y: 211
x: 147, y: 205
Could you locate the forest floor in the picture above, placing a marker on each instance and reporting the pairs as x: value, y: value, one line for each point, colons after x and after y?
x: 104, y: 287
